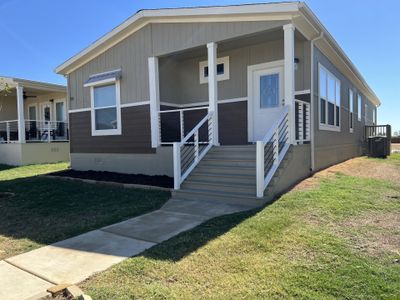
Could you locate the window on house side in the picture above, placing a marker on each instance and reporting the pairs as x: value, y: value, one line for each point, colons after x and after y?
x: 222, y: 69
x: 329, y: 100
x: 359, y: 108
x: 351, y: 109
x: 106, y: 118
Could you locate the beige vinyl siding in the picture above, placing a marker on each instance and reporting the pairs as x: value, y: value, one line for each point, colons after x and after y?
x: 131, y: 54
x: 8, y: 107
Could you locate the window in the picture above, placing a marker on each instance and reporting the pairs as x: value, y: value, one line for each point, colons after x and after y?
x: 106, y: 113
x: 329, y: 95
x: 359, y: 107
x: 269, y: 90
x: 365, y: 113
x: 222, y: 69
x: 351, y: 109
x: 374, y: 116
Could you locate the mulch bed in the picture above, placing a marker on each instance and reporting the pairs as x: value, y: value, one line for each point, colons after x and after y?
x: 156, y: 180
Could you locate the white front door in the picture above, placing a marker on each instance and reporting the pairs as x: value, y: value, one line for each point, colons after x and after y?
x: 267, y: 98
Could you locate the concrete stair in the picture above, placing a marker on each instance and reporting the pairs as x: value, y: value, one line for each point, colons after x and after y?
x: 226, y: 173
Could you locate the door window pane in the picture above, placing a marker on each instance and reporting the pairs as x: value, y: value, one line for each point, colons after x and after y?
x: 106, y: 118
x: 269, y: 90
x: 46, y: 113
x: 60, y: 113
x: 104, y: 96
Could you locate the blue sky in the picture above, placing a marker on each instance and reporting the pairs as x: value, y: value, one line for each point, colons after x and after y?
x: 38, y: 35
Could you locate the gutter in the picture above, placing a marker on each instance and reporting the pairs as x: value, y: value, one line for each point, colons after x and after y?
x: 312, y: 123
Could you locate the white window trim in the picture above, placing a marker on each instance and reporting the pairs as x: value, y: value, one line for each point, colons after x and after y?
x: 105, y: 132
x: 327, y: 126
x: 351, y: 111
x: 359, y: 106
x: 222, y: 60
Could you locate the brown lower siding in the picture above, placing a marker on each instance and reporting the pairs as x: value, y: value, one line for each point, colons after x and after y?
x: 135, y: 137
x: 136, y: 133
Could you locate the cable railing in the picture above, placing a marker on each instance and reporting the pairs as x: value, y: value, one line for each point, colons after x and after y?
x: 302, y: 121
x: 193, y: 147
x: 35, y: 131
x: 172, y: 125
x: 271, y: 150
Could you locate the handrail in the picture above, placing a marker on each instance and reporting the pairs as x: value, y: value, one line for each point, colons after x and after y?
x: 271, y: 150
x: 192, y: 159
x: 182, y: 109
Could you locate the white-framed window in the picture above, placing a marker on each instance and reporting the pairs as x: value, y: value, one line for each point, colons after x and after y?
x: 359, y: 102
x: 351, y: 111
x: 374, y: 116
x: 329, y: 100
x: 222, y: 69
x: 365, y: 113
x: 106, y: 109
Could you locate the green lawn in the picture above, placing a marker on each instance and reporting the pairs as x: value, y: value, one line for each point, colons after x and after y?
x: 339, y: 239
x: 46, y: 210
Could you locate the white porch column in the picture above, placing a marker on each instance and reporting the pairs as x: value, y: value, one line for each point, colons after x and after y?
x: 154, y: 87
x: 20, y: 111
x: 213, y: 88
x: 288, y: 30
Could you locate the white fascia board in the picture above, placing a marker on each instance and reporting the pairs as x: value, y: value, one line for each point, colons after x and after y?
x: 44, y: 86
x: 252, y: 12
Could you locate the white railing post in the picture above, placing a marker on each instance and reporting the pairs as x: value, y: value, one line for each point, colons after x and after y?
x: 196, y: 146
x: 260, y: 169
x: 154, y: 93
x: 8, y: 131
x: 182, y: 124
x: 177, y: 165
x: 20, y: 112
x: 213, y: 88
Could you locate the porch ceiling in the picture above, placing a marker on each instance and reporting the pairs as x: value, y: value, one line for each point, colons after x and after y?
x: 240, y: 42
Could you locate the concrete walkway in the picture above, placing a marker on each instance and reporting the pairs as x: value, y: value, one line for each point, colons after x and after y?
x: 27, y: 276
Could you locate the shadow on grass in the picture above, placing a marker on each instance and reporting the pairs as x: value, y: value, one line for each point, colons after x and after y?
x: 188, y: 242
x: 6, y: 167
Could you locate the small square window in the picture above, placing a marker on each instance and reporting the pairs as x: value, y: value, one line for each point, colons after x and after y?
x: 222, y: 69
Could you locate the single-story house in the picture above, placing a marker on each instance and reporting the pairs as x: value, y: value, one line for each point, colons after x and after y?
x: 232, y: 101
x: 33, y: 122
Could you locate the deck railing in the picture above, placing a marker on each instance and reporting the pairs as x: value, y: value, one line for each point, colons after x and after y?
x: 378, y: 131
x: 172, y: 124
x: 271, y: 150
x: 193, y: 147
x: 302, y: 121
x: 35, y: 131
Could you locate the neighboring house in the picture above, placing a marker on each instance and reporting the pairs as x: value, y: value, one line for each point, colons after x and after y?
x: 38, y: 110
x: 217, y: 97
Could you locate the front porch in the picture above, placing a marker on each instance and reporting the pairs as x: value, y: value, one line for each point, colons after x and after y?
x: 250, y: 90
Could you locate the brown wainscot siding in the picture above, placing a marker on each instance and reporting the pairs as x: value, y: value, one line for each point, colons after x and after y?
x: 232, y: 119
x: 135, y: 137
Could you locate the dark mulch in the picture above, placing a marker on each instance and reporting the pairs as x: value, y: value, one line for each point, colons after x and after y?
x: 156, y: 180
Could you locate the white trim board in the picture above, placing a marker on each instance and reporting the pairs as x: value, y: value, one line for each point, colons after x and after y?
x: 201, y: 103
x: 124, y: 105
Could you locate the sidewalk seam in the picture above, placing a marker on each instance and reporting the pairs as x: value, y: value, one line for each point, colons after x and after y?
x: 30, y: 272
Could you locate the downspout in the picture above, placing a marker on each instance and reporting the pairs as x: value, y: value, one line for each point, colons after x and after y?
x: 312, y: 142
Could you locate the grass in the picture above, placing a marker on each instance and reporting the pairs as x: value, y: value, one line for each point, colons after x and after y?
x: 337, y: 240
x: 46, y: 210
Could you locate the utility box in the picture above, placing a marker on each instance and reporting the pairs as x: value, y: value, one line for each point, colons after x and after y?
x: 378, y: 147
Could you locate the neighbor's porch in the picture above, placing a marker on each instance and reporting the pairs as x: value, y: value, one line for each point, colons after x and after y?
x: 39, y: 112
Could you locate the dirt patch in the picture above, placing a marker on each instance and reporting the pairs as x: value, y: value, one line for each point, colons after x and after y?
x: 161, y: 181
x: 360, y: 166
x: 395, y: 147
x: 374, y: 234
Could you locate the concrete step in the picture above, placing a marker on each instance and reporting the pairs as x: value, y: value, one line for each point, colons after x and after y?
x: 227, y: 187
x: 224, y: 177
x: 233, y: 198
